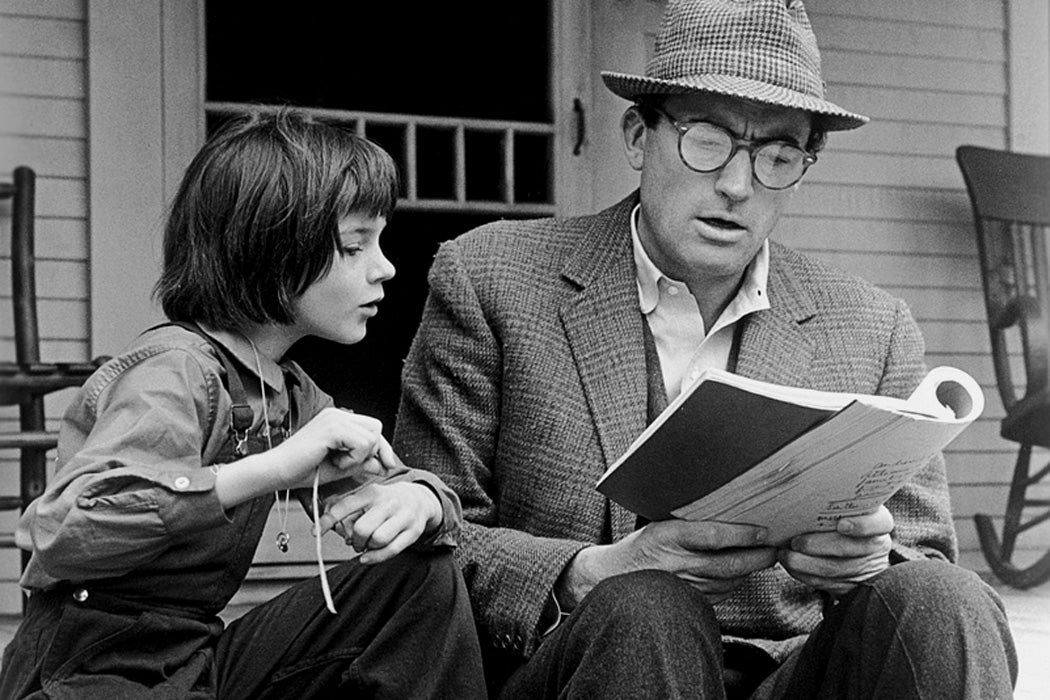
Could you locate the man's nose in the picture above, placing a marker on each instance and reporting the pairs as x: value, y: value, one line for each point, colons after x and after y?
x: 735, y: 179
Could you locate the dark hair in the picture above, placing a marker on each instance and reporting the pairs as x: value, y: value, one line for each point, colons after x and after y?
x: 647, y: 107
x: 256, y: 218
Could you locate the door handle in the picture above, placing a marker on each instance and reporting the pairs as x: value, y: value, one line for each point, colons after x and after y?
x: 581, y: 128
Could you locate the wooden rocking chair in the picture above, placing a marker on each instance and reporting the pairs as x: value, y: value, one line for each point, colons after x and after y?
x: 25, y: 381
x: 1010, y: 194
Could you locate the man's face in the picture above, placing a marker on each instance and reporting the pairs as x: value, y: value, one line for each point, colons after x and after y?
x: 708, y: 226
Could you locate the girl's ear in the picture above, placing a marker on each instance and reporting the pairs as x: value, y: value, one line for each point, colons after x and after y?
x: 634, y: 135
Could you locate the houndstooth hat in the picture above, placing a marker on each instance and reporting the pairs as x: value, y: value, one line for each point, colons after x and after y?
x: 761, y: 50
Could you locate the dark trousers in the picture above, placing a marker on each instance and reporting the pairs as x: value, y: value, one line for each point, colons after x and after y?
x: 403, y: 629
x: 920, y: 629
x: 411, y: 636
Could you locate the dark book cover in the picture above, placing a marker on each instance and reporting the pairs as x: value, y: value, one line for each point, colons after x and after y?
x: 717, y: 433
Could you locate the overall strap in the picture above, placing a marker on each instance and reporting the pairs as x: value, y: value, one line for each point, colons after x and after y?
x: 242, y: 415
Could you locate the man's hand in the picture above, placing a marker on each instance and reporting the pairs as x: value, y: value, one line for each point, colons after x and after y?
x: 837, y: 561
x: 712, y: 557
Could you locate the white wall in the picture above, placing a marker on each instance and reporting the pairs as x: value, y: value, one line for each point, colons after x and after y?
x: 888, y: 202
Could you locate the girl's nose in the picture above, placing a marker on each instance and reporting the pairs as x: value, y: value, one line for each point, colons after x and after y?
x: 383, y: 269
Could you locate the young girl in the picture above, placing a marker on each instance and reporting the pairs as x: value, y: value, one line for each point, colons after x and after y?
x: 170, y: 457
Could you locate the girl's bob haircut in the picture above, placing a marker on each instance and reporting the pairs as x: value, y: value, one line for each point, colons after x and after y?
x: 256, y: 219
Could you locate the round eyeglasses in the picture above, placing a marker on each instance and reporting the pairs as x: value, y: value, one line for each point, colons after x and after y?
x: 706, y: 147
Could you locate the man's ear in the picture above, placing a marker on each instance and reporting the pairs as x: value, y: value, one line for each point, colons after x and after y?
x: 634, y: 134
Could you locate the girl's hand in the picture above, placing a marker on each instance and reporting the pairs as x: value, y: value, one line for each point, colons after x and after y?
x: 339, y: 442
x: 381, y: 520
x: 336, y: 444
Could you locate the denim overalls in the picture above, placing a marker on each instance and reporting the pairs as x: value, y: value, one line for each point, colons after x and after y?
x: 158, y: 623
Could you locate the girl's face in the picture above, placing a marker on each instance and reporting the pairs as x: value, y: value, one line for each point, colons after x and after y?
x: 337, y: 306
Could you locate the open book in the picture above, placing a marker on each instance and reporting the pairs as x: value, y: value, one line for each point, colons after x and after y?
x: 735, y: 449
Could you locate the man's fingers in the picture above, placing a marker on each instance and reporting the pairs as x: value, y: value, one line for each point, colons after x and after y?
x: 824, y: 568
x: 834, y: 545
x: 708, y: 535
x: 878, y: 522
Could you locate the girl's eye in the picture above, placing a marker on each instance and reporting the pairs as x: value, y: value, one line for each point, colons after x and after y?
x: 350, y: 250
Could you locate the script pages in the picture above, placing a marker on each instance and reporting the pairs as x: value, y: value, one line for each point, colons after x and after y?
x: 735, y: 449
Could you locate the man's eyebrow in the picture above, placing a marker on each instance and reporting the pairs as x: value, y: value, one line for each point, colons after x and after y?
x: 780, y: 134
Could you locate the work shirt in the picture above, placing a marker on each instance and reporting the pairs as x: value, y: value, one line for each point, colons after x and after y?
x: 685, y: 347
x: 132, y: 508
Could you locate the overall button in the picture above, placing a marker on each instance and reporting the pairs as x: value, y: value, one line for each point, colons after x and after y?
x: 80, y: 595
x: 182, y: 483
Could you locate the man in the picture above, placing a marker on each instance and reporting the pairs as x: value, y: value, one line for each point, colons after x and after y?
x: 547, y: 346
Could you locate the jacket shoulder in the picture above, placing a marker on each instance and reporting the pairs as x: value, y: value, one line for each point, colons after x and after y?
x: 827, y: 285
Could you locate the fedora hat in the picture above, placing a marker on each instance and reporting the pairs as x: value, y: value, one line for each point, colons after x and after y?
x: 761, y: 50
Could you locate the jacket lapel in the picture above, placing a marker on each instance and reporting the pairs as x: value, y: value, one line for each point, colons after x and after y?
x: 603, y: 326
x: 773, y: 345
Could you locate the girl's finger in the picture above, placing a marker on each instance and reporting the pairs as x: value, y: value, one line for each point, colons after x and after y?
x: 385, y: 453
x: 398, y: 545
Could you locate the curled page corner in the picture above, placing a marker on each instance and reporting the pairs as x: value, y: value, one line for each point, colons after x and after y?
x: 952, y: 389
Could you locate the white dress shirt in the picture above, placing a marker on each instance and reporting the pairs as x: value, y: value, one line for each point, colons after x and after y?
x: 685, y: 347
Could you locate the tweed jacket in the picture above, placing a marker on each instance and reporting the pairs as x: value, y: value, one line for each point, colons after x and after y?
x: 527, y: 379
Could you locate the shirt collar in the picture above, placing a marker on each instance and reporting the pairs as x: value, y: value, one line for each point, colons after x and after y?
x: 752, y: 295
x: 241, y: 350
x: 647, y: 273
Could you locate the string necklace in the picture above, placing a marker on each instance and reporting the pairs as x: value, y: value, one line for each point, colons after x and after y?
x: 282, y: 515
x: 282, y: 536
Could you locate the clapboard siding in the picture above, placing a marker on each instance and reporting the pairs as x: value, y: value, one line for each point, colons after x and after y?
x: 43, y: 116
x: 867, y: 236
x: 893, y: 38
x: 887, y: 202
x: 904, y: 14
x: 903, y: 169
x: 54, y: 349
x: 921, y: 106
x: 57, y: 239
x: 56, y: 279
x: 915, y: 73
x: 910, y: 137
x: 63, y: 9
x: 51, y: 157
x: 41, y: 77
x: 43, y: 124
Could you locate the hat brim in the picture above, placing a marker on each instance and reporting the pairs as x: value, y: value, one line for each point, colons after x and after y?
x: 831, y: 116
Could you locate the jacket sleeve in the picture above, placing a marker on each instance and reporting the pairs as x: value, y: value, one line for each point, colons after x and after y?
x: 449, y: 422
x: 129, y: 475
x: 921, y: 509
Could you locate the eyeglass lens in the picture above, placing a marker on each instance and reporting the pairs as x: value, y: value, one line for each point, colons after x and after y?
x: 707, y: 147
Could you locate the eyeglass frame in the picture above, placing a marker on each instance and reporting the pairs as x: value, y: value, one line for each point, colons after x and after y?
x: 750, y: 145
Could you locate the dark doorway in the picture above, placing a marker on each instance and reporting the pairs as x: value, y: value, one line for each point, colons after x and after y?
x: 472, y: 59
